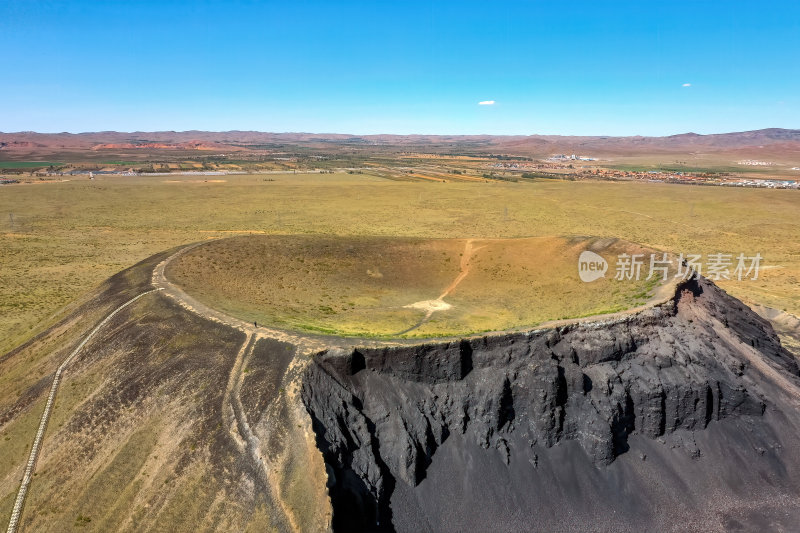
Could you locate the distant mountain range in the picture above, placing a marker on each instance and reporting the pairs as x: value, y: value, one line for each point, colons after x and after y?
x: 771, y: 141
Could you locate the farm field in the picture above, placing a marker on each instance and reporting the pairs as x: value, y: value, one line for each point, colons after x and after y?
x: 25, y: 164
x: 59, y: 240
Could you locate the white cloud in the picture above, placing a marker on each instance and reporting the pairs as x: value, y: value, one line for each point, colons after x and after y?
x: 687, y: 84
x: 486, y: 102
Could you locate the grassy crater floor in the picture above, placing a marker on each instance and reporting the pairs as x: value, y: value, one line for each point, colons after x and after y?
x: 405, y: 287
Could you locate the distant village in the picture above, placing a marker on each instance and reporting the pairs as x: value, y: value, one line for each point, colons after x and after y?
x: 686, y: 178
x: 561, y: 158
x: 561, y: 166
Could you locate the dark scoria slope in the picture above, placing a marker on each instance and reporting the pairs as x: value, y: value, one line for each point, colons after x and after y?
x: 680, y: 417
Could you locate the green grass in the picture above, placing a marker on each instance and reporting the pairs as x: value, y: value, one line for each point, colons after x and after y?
x: 27, y: 164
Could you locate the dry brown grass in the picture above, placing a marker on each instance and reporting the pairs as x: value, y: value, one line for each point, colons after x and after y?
x: 364, y: 285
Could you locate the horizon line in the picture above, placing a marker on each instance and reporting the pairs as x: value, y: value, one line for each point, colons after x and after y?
x: 323, y: 134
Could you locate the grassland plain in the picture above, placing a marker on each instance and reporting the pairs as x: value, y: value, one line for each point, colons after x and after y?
x: 59, y: 240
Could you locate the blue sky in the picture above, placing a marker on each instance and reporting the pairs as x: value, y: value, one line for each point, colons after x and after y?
x: 583, y: 67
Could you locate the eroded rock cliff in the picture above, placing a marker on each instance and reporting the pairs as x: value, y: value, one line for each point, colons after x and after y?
x: 381, y: 415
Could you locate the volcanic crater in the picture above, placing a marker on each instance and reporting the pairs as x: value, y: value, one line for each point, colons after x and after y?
x: 402, y: 384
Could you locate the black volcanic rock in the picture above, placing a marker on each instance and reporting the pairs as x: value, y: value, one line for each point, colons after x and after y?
x: 416, y: 438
